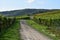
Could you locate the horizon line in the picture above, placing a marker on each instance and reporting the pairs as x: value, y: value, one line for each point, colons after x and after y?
x: 29, y: 8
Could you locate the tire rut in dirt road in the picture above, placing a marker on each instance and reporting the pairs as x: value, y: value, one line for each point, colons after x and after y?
x: 28, y: 33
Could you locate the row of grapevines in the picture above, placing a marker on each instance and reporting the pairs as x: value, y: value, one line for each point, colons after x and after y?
x: 5, y: 23
x: 53, y: 25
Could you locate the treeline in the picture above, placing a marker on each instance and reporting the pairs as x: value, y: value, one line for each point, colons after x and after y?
x: 5, y: 23
x: 53, y: 25
x: 24, y: 12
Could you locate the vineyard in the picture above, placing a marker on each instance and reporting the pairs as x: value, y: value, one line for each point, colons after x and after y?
x: 47, y: 23
x: 5, y: 23
x: 51, y: 20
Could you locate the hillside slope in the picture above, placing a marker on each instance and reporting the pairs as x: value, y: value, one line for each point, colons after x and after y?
x: 24, y: 12
x: 51, y: 21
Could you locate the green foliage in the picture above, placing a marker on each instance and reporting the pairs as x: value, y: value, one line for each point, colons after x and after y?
x: 42, y: 29
x: 5, y: 23
x: 51, y: 20
x: 48, y: 15
x: 12, y: 33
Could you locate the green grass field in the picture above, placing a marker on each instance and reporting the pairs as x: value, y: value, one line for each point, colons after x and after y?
x: 48, y: 15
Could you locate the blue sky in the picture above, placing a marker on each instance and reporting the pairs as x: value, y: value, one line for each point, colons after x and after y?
x: 6, y: 5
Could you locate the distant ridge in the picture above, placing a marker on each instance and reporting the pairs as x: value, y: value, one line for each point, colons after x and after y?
x: 24, y: 12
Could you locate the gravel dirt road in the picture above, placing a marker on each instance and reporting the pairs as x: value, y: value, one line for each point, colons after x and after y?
x: 28, y: 33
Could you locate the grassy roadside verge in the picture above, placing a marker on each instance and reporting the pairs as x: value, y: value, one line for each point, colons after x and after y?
x: 41, y: 28
x: 12, y: 33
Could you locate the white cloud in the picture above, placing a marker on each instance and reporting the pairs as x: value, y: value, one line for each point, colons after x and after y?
x: 30, y: 1
x: 8, y: 9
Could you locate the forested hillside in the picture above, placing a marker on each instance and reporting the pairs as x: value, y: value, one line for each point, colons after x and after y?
x: 24, y: 12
